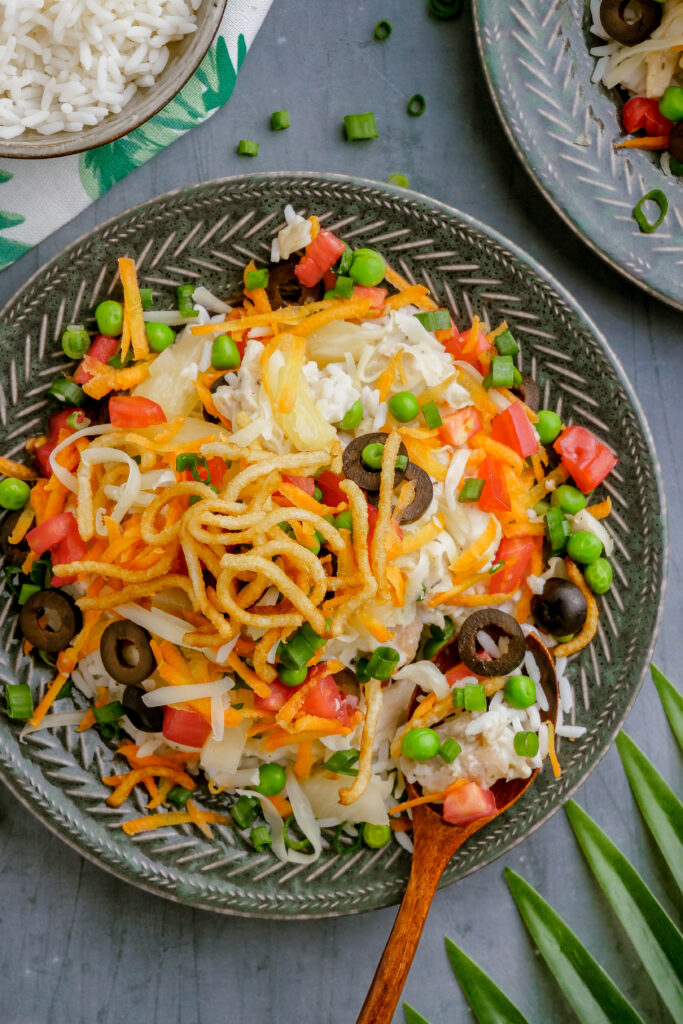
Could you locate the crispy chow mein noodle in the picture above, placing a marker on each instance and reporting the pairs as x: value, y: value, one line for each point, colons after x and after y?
x: 250, y: 584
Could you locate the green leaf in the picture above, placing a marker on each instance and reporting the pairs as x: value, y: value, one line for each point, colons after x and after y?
x: 412, y: 1016
x: 590, y: 990
x: 489, y: 1004
x: 659, y: 805
x: 672, y: 701
x: 657, y: 940
x: 10, y: 248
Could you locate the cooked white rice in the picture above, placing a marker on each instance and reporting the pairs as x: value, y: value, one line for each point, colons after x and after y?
x: 67, y: 64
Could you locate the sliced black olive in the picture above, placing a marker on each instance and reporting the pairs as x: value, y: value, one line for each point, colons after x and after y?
x: 127, y: 653
x: 284, y: 287
x: 143, y: 718
x: 355, y: 469
x: 424, y: 492
x: 561, y: 609
x: 630, y: 21
x: 500, y: 627
x: 676, y: 141
x: 50, y: 620
x: 528, y: 392
x: 14, y: 553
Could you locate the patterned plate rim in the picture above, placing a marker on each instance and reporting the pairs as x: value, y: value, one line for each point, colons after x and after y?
x: 567, y: 201
x: 55, y: 822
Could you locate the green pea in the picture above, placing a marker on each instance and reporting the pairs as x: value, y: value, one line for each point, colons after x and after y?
x: 372, y: 455
x: 352, y: 417
x: 548, y: 426
x: 520, y: 692
x: 376, y: 836
x: 584, y: 547
x: 421, y: 744
x: 569, y: 499
x: 367, y: 268
x: 272, y: 779
x: 75, y: 341
x: 13, y: 493
x: 317, y: 494
x: 598, y: 576
x: 159, y: 336
x: 404, y: 406
x: 671, y: 103
x: 109, y: 317
x: 224, y: 353
x: 292, y: 676
x: 329, y: 519
x: 344, y: 521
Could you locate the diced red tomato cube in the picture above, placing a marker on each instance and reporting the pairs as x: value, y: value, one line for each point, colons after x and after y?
x: 102, y: 349
x: 495, y: 496
x: 468, y: 803
x: 512, y: 427
x: 462, y: 346
x: 458, y: 427
x: 329, y: 485
x: 321, y: 255
x: 640, y: 113
x: 134, y: 411
x: 278, y: 696
x: 188, y: 728
x: 51, y: 532
x: 516, y: 552
x: 587, y: 459
x: 308, y: 272
x: 377, y: 296
x: 304, y: 483
x: 326, y: 700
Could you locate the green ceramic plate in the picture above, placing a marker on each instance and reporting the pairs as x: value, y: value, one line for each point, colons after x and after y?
x: 206, y: 233
x: 536, y: 59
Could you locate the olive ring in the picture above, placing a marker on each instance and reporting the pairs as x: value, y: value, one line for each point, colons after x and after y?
x: 629, y: 33
x: 117, y: 637
x: 356, y: 470
x: 46, y: 635
x: 424, y: 492
x: 491, y: 620
x: 529, y: 392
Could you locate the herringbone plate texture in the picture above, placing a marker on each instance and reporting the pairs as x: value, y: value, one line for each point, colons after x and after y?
x: 206, y: 233
x: 535, y: 55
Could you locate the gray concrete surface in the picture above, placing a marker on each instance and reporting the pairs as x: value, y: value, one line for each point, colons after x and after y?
x: 80, y: 947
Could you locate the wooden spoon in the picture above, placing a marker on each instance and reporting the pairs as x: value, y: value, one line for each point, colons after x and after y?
x: 435, y: 842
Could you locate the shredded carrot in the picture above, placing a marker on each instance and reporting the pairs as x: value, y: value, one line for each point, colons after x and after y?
x: 428, y: 798
x: 498, y: 451
x: 590, y: 626
x: 247, y: 675
x: 557, y: 771
x: 410, y: 296
x: 401, y: 284
x: 386, y: 379
x: 524, y: 530
x: 344, y: 309
x: 197, y: 819
x: 523, y: 609
x: 473, y: 557
x: 133, y: 307
x: 153, y: 821
x: 281, y: 805
x: 48, y: 700
x: 23, y: 525
x: 105, y: 378
x: 304, y: 760
x: 647, y: 142
x: 599, y: 511
x: 125, y: 336
x: 17, y: 469
x: 124, y: 784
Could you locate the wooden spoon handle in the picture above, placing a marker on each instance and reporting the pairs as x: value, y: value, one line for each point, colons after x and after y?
x: 399, y: 951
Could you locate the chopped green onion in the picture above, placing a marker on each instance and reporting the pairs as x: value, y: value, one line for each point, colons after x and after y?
x: 41, y: 572
x: 260, y: 836
x: 341, y: 848
x: 362, y: 674
x: 526, y: 744
x: 435, y: 320
x: 342, y: 762
x: 75, y: 341
x: 449, y: 750
x: 118, y: 363
x: 382, y: 663
x: 67, y: 392
x: 316, y: 641
x: 376, y: 836
x: 109, y: 713
x: 279, y: 120
x: 27, y: 590
x: 297, y: 652
x: 360, y: 126
x: 471, y: 490
x: 555, y: 528
x: 446, y: 9
x: 501, y: 372
x: 417, y: 105
x: 110, y: 731
x: 189, y: 461
x: 77, y: 420
x: 383, y: 30
x: 184, y: 293
x: 401, y: 463
x: 430, y: 411
x: 147, y: 298
x: 475, y: 698
x: 245, y: 147
x: 256, y: 279
x: 398, y: 179
x: 66, y: 690
x: 179, y: 796
x: 19, y: 701
x: 343, y: 288
x: 244, y: 811
x: 655, y: 196
x: 506, y: 344
x: 293, y: 844
x: 496, y: 567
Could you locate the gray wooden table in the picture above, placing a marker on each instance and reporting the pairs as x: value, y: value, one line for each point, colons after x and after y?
x: 81, y: 947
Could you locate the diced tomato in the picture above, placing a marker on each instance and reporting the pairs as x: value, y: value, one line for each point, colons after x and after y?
x: 326, y: 700
x: 640, y: 113
x: 321, y: 255
x: 395, y: 531
x: 516, y: 552
x: 134, y: 411
x: 329, y: 280
x: 458, y: 672
x: 56, y: 425
x: 102, y: 349
x: 377, y: 296
x: 278, y: 696
x: 512, y: 427
x: 304, y: 483
x: 468, y: 803
x: 216, y: 471
x: 50, y: 533
x: 186, y: 727
x: 588, y: 460
x: 495, y: 496
x: 72, y: 549
x: 458, y: 427
x: 462, y: 346
x: 329, y: 485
